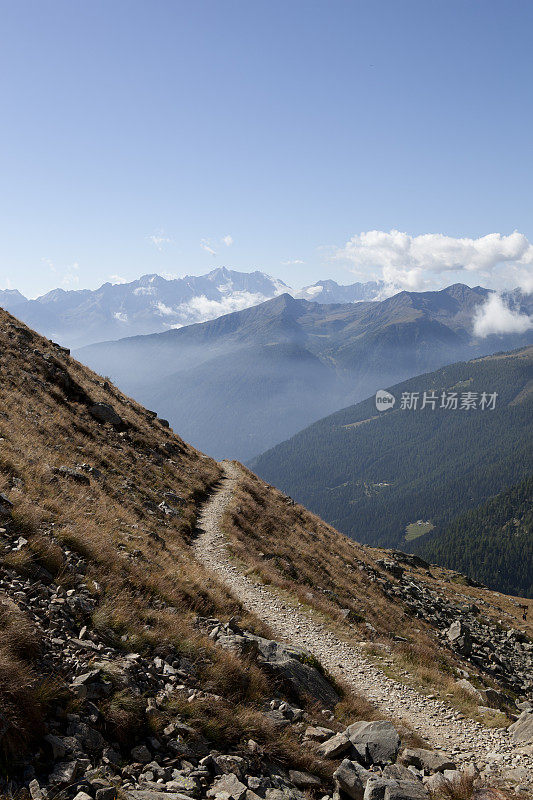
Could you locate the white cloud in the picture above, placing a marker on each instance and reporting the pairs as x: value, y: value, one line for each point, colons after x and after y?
x: 495, y: 317
x: 117, y: 279
x: 121, y: 316
x: 207, y: 247
x: 164, y: 310
x: 159, y: 240
x: 228, y: 240
x: 293, y: 261
x: 432, y: 259
x: 200, y: 308
x: 312, y: 291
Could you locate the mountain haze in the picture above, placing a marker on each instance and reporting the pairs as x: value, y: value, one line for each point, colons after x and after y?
x: 241, y: 383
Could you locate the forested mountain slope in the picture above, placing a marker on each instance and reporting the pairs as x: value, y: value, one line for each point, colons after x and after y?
x: 372, y: 474
x: 308, y: 359
x: 493, y: 542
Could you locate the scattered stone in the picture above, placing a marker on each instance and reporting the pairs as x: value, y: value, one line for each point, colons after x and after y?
x: 141, y: 754
x: 318, y: 734
x: 228, y: 785
x: 103, y: 412
x: 74, y: 475
x: 335, y: 747
x: 304, y: 780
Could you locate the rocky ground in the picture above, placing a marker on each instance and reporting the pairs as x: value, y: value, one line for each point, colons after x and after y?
x: 77, y: 757
x: 494, y: 752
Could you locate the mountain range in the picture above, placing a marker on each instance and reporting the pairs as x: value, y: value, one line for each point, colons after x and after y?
x: 241, y: 383
x: 153, y: 304
x: 391, y: 478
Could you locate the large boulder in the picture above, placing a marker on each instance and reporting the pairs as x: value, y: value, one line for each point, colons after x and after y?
x: 103, y: 412
x: 522, y: 729
x: 430, y: 760
x: 381, y: 788
x: 375, y: 742
x: 406, y: 790
x: 470, y: 689
x: 460, y: 637
x: 298, y: 667
x: 350, y: 778
x: 228, y: 785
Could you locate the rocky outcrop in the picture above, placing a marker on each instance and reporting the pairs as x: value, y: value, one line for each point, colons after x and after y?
x: 522, y: 729
x: 292, y: 665
x: 103, y: 412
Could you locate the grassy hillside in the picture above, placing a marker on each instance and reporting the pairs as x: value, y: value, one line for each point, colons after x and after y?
x: 103, y: 606
x: 373, y: 474
x: 493, y: 542
x: 98, y: 517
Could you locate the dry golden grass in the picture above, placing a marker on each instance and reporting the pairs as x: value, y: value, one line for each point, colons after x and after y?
x: 234, y: 725
x: 138, y: 562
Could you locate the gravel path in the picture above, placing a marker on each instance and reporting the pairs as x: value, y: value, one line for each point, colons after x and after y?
x: 438, y: 724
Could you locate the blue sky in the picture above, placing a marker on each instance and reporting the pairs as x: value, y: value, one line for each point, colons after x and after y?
x: 135, y: 136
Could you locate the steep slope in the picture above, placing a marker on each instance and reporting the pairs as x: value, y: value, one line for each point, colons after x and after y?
x: 100, y: 594
x: 347, y: 351
x: 493, y: 542
x: 108, y: 680
x: 372, y: 474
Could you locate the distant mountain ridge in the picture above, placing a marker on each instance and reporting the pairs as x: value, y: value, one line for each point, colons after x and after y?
x: 153, y: 304
x: 239, y: 384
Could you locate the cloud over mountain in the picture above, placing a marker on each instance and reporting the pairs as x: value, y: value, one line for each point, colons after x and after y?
x: 419, y: 262
x: 496, y: 317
